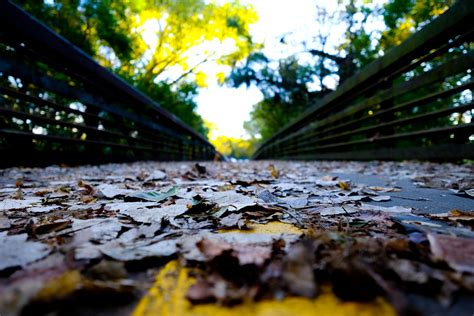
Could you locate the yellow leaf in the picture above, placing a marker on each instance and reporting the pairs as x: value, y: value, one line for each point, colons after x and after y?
x: 201, y: 79
x: 275, y: 173
x: 220, y: 77
x: 344, y: 185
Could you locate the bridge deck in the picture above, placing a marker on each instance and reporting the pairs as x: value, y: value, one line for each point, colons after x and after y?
x: 98, y: 236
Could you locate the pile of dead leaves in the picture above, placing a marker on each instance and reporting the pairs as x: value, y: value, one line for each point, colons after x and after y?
x: 85, y: 236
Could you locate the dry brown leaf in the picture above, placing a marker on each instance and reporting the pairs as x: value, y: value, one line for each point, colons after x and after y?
x: 457, y: 252
x: 87, y: 188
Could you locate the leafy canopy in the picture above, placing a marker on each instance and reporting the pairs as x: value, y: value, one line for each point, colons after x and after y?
x: 291, y: 85
x: 160, y: 46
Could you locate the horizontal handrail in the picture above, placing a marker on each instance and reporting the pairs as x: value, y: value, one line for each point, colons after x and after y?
x: 55, y: 97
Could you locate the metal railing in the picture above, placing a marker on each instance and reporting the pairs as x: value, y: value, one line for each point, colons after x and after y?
x: 413, y: 103
x: 57, y: 105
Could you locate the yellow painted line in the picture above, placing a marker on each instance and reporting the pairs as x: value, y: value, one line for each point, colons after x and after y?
x: 167, y: 296
x: 273, y: 227
x: 60, y: 287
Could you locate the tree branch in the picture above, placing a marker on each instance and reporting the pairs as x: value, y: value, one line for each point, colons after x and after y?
x: 321, y: 53
x: 190, y: 70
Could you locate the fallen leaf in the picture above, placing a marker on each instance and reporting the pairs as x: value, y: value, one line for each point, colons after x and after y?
x: 408, y: 270
x: 298, y: 272
x: 232, y: 220
x: 344, y: 185
x: 392, y: 209
x: 273, y: 171
x: 228, y: 198
x: 123, y: 206
x: 42, y: 192
x: 380, y: 198
x: 18, y: 195
x: 107, y: 270
x: 190, y: 251
x: 149, y: 215
x: 87, y: 188
x: 423, y: 223
x: 267, y: 197
x: 154, y: 195
x: 464, y: 192
x: 111, y: 191
x: 296, y: 203
x: 51, y: 227
x: 11, y: 204
x: 200, y: 169
x: 384, y: 189
x: 92, y: 207
x: 4, y: 222
x: 336, y: 210
x: 201, y: 292
x: 163, y: 248
x: 458, y: 215
x: 457, y: 252
x: 156, y: 175
x: 43, y: 209
x: 326, y: 181
x: 16, y: 251
x: 95, y: 229
x: 245, y: 253
x: 328, y: 178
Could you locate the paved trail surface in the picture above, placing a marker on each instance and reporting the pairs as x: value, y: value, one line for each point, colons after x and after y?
x: 231, y: 238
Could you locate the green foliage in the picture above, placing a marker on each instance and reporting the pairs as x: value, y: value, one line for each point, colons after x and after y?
x: 178, y: 99
x: 404, y: 17
x: 89, y: 24
x: 165, y: 64
x: 285, y: 91
x: 395, y: 11
x: 357, y: 45
x: 285, y: 83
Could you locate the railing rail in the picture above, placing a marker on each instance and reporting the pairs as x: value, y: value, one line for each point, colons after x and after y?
x: 57, y: 105
x: 413, y: 103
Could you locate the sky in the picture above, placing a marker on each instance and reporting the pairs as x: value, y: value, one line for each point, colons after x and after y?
x: 227, y: 108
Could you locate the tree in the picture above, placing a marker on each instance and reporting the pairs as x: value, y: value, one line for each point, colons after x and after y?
x: 284, y: 87
x: 233, y: 147
x: 404, y: 17
x: 157, y: 45
x: 182, y: 26
x: 285, y: 83
x: 102, y: 29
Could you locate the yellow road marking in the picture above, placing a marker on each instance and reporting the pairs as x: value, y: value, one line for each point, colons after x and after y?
x: 273, y: 227
x: 167, y: 296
